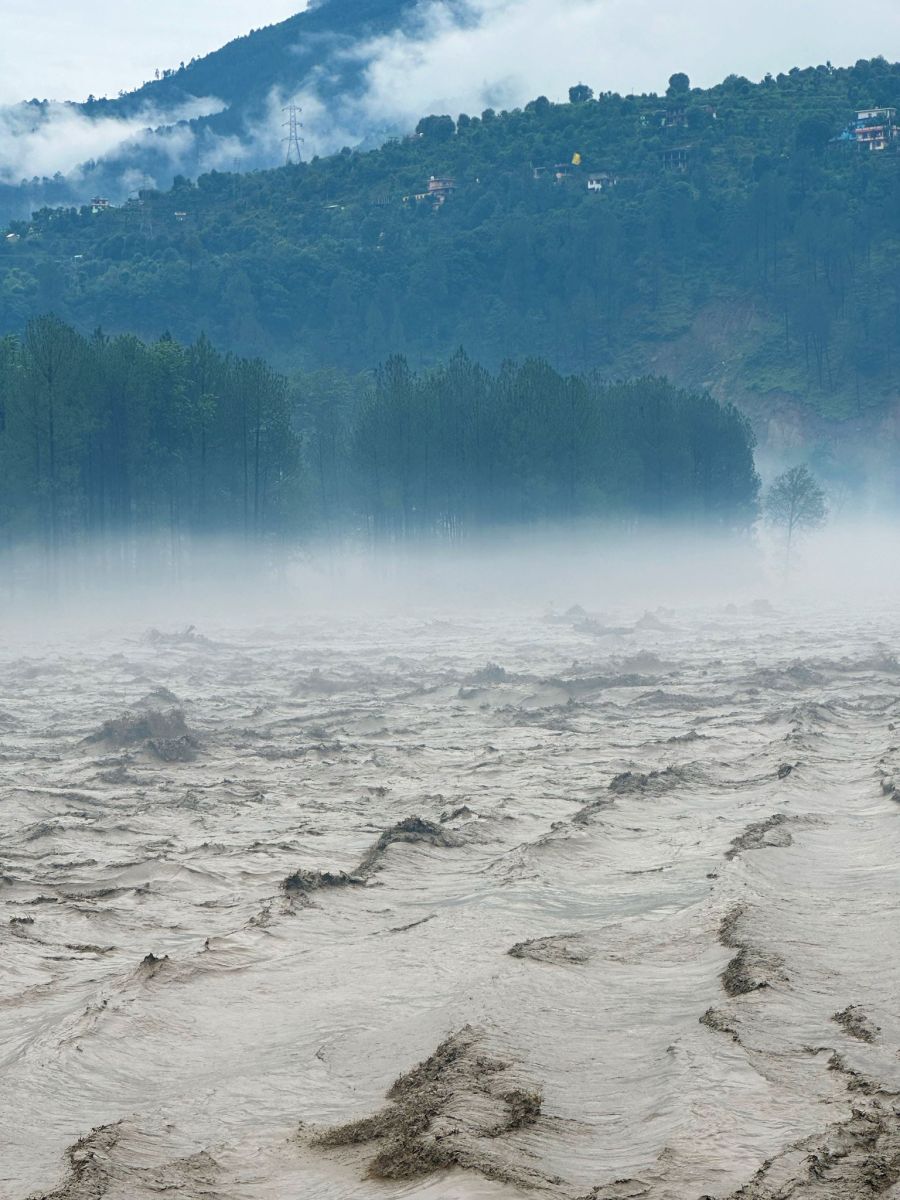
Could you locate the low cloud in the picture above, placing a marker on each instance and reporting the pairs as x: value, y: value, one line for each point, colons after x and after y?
x: 455, y: 56
x: 466, y: 56
x: 43, y: 140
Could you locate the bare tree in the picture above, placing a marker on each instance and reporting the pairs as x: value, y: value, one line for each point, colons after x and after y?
x: 795, y: 504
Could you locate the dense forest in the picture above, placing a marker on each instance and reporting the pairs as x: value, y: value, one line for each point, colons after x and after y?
x: 113, y: 436
x: 727, y: 240
x: 106, y: 435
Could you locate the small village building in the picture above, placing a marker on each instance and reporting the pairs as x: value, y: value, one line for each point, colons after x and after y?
x: 675, y: 158
x: 99, y: 203
x: 600, y: 181
x: 438, y: 191
x: 874, y: 128
x: 672, y: 118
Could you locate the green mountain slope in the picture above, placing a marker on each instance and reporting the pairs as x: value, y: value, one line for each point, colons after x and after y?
x: 282, y: 56
x: 733, y: 244
x: 240, y: 88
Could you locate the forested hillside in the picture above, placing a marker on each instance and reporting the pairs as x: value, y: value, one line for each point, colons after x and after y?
x: 730, y: 242
x: 239, y: 90
x: 113, y: 436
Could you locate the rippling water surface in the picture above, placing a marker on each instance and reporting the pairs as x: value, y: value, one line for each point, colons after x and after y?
x: 627, y: 887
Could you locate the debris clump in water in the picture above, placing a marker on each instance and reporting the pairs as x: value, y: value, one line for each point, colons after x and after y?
x: 855, y: 1022
x: 411, y: 829
x: 301, y: 883
x: 760, y: 834
x: 162, y: 732
x: 751, y: 969
x: 560, y: 948
x: 452, y: 1110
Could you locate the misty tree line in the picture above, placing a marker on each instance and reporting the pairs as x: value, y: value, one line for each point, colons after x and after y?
x: 458, y: 447
x: 103, y: 435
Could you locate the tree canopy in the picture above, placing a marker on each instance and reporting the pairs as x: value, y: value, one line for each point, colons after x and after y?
x: 731, y: 241
x: 108, y: 435
x: 795, y: 503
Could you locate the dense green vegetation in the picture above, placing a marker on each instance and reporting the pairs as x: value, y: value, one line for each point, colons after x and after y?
x: 456, y: 448
x: 101, y: 435
x: 106, y: 436
x: 767, y: 267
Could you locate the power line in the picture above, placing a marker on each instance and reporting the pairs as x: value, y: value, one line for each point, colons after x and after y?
x: 293, y: 139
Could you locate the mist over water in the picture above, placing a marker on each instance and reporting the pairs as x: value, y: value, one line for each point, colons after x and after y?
x: 149, y: 578
x: 602, y: 830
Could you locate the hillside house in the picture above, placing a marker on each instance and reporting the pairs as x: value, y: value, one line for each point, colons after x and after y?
x: 437, y: 193
x: 440, y: 189
x: 601, y: 181
x: 675, y: 158
x: 99, y: 203
x: 671, y: 118
x: 874, y: 128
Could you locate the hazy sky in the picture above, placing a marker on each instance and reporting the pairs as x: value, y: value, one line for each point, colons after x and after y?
x: 63, y: 49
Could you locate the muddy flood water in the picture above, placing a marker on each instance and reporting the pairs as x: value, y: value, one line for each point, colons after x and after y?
x: 453, y: 908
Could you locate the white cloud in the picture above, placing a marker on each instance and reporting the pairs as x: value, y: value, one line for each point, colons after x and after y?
x: 64, y: 50
x: 459, y: 56
x: 39, y: 141
x: 522, y: 48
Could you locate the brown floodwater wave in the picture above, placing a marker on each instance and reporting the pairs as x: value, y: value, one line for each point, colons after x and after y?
x: 453, y: 907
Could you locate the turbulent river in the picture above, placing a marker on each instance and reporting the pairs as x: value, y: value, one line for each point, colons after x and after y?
x: 453, y: 907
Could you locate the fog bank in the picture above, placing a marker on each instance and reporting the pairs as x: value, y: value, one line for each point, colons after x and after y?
x: 549, y: 570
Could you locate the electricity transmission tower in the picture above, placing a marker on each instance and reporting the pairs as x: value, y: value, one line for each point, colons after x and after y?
x: 293, y: 138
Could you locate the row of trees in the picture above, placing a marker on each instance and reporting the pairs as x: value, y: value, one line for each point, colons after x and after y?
x: 459, y: 447
x: 104, y: 436
x: 107, y: 434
